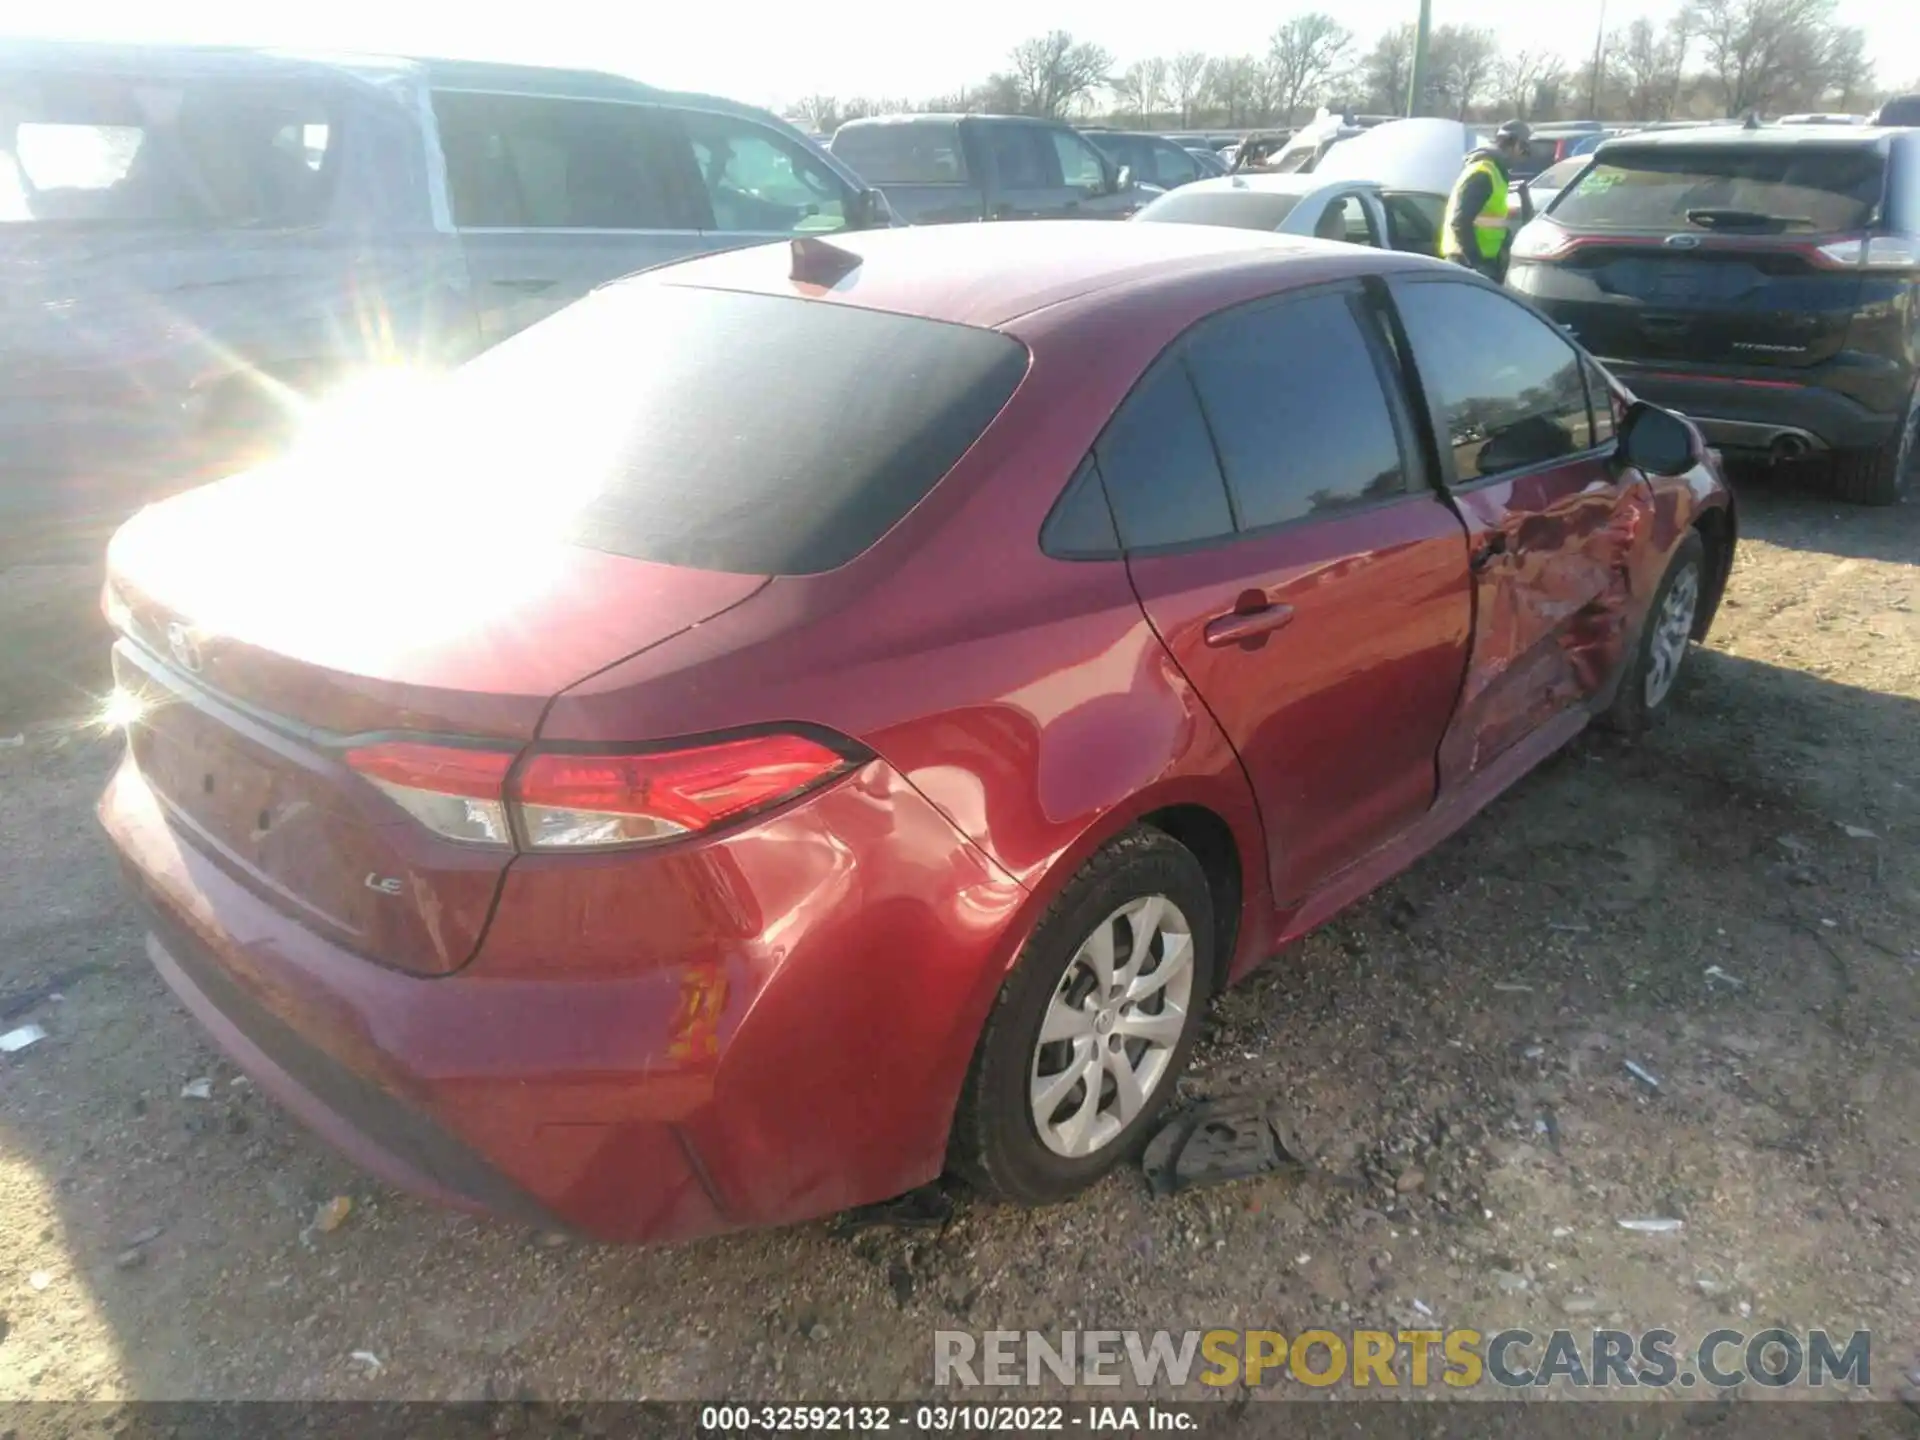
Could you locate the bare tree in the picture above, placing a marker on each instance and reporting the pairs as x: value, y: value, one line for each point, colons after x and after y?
x: 1304, y: 55
x: 1640, y: 67
x: 1387, y: 70
x: 1461, y: 60
x: 1141, y: 89
x: 1187, y: 82
x: 1760, y: 53
x: 1054, y: 70
x: 822, y: 112
x: 1232, y: 85
x: 1519, y: 78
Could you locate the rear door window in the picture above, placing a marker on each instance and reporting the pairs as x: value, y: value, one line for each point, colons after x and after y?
x: 1080, y: 164
x: 1822, y: 189
x: 920, y: 152
x: 1158, y: 463
x: 1022, y: 157
x: 122, y: 151
x: 1508, y: 388
x: 518, y: 162
x: 1293, y: 396
x: 1413, y: 222
x: 1171, y: 166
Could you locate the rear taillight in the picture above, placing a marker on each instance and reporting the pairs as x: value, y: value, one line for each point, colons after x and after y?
x: 1541, y: 239
x: 562, y: 799
x: 1871, y: 252
x: 455, y: 791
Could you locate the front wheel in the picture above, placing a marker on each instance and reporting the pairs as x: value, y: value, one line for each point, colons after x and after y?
x: 1092, y: 1027
x: 1665, y: 637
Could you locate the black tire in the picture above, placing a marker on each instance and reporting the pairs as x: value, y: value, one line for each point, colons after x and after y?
x: 996, y: 1145
x: 1885, y: 474
x: 1631, y: 711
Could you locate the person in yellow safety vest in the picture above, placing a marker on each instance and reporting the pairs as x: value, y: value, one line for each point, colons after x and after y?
x: 1475, y: 231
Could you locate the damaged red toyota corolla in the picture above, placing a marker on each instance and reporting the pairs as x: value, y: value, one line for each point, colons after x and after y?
x: 804, y: 719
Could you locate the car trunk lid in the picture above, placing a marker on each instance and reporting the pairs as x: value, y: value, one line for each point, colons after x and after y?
x: 256, y: 656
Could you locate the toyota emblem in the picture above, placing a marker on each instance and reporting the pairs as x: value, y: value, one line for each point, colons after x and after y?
x: 185, y: 646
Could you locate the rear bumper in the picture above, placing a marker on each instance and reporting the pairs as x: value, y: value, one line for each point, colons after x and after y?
x: 1752, y: 413
x: 634, y: 1103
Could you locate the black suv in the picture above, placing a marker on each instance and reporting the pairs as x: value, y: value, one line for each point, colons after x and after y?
x: 1765, y: 281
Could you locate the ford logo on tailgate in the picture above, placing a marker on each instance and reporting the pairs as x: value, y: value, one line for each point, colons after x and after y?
x: 1683, y: 242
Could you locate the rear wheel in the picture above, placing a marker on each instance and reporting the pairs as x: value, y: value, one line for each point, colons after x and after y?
x: 1885, y: 474
x: 1092, y: 1027
x: 1665, y: 638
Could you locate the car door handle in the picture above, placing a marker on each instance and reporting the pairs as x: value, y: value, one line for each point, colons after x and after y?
x: 1239, y: 625
x: 527, y: 285
x: 1494, y: 545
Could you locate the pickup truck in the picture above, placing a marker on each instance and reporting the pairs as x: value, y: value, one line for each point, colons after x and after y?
x: 939, y: 169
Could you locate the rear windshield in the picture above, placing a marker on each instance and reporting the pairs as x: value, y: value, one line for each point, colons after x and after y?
x: 116, y: 151
x: 1234, y: 209
x: 754, y: 434
x: 909, y: 154
x: 1800, y: 187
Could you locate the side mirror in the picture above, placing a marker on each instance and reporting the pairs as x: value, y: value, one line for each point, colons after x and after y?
x: 1657, y: 442
x: 868, y: 210
x: 1123, y: 180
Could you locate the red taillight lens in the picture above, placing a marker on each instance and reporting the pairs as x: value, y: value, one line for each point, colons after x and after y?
x: 453, y: 790
x: 568, y: 800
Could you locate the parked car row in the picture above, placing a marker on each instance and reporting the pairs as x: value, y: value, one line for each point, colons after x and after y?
x: 940, y: 169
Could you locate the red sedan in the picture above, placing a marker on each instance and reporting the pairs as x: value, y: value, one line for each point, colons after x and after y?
x: 816, y: 716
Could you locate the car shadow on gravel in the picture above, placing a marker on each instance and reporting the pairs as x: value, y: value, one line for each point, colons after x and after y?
x: 1793, y: 507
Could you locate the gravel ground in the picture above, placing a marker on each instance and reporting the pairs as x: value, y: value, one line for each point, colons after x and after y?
x: 1452, y: 1053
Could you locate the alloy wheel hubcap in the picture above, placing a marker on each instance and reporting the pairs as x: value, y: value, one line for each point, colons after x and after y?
x: 1112, y: 1026
x: 1672, y: 629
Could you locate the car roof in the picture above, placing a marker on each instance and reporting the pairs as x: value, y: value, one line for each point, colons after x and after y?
x: 1269, y: 182
x: 991, y: 275
x: 436, y: 73
x: 1719, y: 137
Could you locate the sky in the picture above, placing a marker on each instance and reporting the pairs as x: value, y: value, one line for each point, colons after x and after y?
x: 774, y: 52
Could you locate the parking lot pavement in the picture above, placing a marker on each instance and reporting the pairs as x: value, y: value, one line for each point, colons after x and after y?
x: 1731, y: 905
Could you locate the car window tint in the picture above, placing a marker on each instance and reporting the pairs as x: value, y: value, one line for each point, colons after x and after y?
x: 106, y: 151
x: 1413, y: 222
x: 1798, y: 188
x: 1507, y: 385
x: 1600, y: 402
x: 714, y: 429
x: 1171, y: 166
x: 1080, y: 166
x: 759, y: 182
x: 1293, y: 398
x: 918, y: 152
x: 523, y: 162
x: 1233, y: 209
x: 1158, y: 463
x: 1081, y: 525
x: 1017, y: 158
